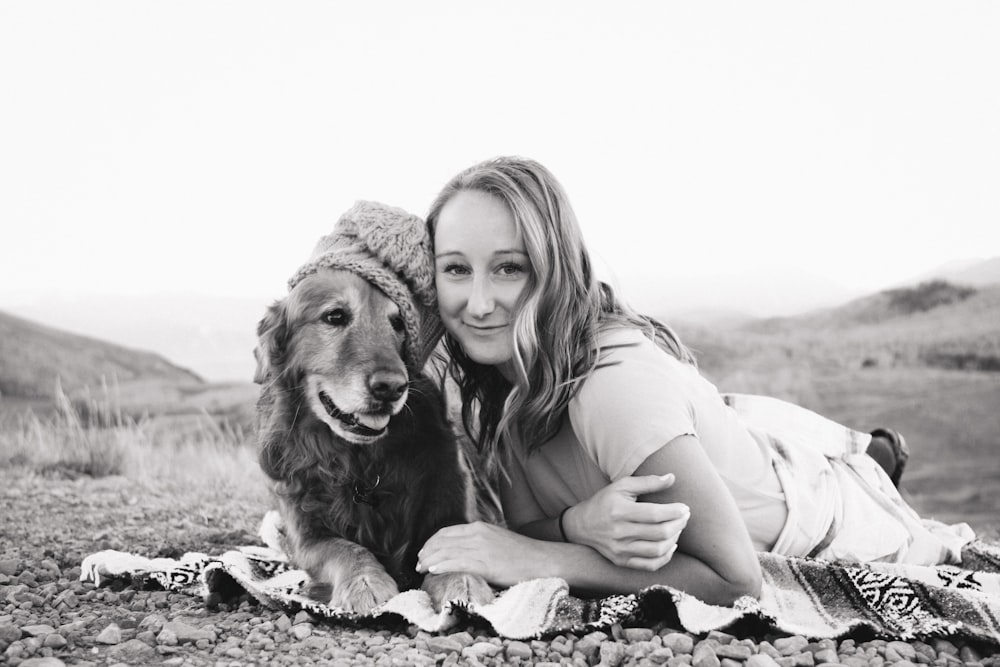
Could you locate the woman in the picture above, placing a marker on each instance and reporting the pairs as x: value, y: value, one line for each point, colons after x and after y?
x: 590, y: 408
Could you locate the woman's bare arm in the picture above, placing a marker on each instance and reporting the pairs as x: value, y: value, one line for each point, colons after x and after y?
x: 715, y: 560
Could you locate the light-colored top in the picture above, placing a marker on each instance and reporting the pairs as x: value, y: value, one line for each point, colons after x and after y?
x: 639, y: 400
x: 802, y: 483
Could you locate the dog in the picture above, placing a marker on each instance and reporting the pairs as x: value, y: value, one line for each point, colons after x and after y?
x: 361, y: 457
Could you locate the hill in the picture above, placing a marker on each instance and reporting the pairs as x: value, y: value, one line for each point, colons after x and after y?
x: 921, y: 359
x: 33, y: 356
x: 934, y: 324
x: 969, y: 272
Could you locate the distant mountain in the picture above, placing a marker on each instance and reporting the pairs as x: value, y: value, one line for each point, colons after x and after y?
x: 214, y: 336
x: 33, y: 356
x: 965, y: 272
x: 934, y: 323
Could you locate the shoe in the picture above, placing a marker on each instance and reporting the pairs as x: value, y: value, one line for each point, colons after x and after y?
x: 900, y: 452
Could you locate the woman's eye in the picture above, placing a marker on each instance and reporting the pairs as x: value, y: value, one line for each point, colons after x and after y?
x: 455, y: 270
x: 511, y: 269
x: 337, y: 317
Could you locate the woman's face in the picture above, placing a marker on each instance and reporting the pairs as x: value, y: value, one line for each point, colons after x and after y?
x: 481, y: 270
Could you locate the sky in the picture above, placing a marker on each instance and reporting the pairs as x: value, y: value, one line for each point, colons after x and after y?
x: 203, y: 147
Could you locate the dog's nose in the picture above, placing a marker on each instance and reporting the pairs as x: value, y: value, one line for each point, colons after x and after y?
x: 386, y: 385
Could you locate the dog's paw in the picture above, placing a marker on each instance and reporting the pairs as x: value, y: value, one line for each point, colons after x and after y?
x: 364, y: 592
x: 457, y: 586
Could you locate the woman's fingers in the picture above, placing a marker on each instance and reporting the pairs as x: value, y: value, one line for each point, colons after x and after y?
x: 640, y: 485
x: 654, y: 512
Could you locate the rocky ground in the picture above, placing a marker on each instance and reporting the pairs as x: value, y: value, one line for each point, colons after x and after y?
x: 48, y: 617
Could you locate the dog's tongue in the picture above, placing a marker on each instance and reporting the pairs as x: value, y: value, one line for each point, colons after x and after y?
x: 374, y: 422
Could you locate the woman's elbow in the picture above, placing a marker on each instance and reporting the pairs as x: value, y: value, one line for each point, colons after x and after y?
x: 746, y: 582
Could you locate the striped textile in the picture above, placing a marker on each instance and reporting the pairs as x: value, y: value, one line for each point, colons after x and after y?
x: 801, y: 596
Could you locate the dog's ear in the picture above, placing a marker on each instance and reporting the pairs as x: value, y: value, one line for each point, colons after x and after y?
x: 272, y: 339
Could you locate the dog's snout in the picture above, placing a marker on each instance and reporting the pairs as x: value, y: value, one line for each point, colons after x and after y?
x: 387, y: 385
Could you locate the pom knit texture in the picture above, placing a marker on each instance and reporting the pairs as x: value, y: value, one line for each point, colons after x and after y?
x: 391, y: 249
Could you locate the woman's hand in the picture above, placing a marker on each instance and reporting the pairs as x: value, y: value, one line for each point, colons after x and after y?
x: 500, y: 556
x: 627, y: 532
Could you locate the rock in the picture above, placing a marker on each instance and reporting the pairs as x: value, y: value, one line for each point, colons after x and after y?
x: 612, y: 653
x: 825, y: 655
x: 112, y: 634
x: 9, y: 566
x: 37, y: 630
x: 904, y: 650
x: 516, y: 649
x: 43, y: 662
x: 945, y: 646
x: 968, y: 654
x: 153, y: 622
x: 678, y: 642
x: 166, y: 637
x: 721, y: 637
x: 55, y: 640
x: 661, y: 655
x: 187, y: 634
x: 443, y: 644
x: 9, y: 632
x: 789, y: 646
x: 283, y: 623
x: 302, y: 617
x: 633, y: 635
x: 480, y: 650
x: 729, y: 662
x: 302, y: 630
x: 704, y: 656
x: 133, y: 651
x: 734, y: 652
x: 767, y: 648
x: 463, y: 638
x: 761, y: 660
x: 589, y: 646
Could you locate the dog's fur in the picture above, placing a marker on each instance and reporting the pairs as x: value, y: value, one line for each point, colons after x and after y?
x: 365, y: 475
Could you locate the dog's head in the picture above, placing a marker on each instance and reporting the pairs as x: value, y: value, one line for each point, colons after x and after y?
x: 344, y: 338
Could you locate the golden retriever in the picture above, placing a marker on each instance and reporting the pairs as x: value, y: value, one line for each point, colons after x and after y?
x: 363, y: 462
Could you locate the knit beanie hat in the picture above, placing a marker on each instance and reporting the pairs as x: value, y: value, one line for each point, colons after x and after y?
x: 391, y: 249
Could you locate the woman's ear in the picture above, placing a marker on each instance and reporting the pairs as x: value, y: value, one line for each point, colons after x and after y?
x: 272, y: 340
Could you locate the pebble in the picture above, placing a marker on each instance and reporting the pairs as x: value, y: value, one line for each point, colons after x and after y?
x: 518, y: 649
x: 443, y: 644
x: 612, y: 653
x: 704, y: 656
x: 761, y: 660
x: 43, y: 662
x: 679, y: 642
x: 789, y: 646
x: 302, y: 630
x: 9, y: 566
x: 734, y: 652
x: 112, y: 634
x: 634, y: 635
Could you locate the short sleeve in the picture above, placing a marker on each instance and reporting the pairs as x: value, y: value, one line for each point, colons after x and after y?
x: 633, y: 404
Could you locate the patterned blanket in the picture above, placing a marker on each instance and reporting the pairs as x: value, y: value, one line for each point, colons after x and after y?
x: 802, y: 596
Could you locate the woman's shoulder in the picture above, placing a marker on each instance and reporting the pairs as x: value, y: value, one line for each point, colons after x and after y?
x: 619, y: 342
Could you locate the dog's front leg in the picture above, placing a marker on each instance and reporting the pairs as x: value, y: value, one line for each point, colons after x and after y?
x: 359, y: 582
x: 469, y: 588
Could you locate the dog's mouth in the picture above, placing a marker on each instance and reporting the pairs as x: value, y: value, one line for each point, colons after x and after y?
x: 365, y: 425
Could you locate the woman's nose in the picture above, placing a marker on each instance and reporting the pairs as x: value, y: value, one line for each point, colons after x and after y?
x: 481, y: 301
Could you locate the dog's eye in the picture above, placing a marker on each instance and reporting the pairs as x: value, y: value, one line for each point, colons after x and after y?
x: 338, y: 317
x: 397, y: 323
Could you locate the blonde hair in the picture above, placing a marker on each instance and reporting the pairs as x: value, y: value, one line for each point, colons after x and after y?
x: 557, y: 319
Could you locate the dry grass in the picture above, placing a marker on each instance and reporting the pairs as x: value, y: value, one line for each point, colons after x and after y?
x: 177, y: 453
